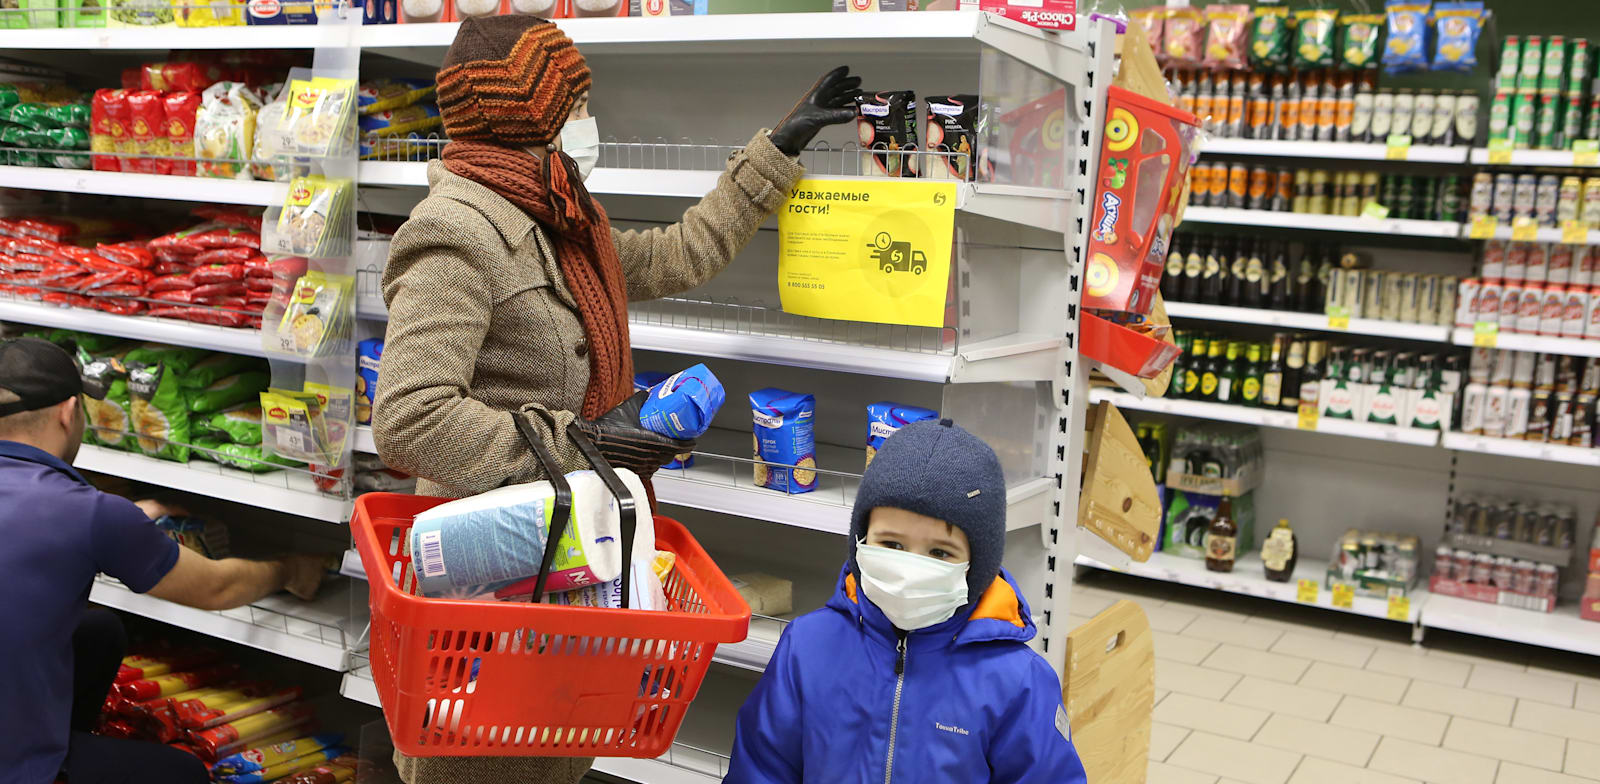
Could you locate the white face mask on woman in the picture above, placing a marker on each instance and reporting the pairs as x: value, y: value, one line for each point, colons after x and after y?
x: 580, y: 140
x: 913, y: 591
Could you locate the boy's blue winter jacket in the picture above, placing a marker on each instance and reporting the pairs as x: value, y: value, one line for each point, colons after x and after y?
x: 965, y: 701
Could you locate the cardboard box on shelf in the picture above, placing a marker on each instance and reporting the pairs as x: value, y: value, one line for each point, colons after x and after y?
x: 1190, y: 514
x: 1492, y: 595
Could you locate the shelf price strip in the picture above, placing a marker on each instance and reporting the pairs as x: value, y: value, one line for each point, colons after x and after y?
x: 1485, y: 334
x: 1398, y: 147
x: 1344, y: 597
x: 1483, y: 227
x: 1574, y: 232
x: 1586, y: 152
x: 1306, y: 592
x: 1399, y: 606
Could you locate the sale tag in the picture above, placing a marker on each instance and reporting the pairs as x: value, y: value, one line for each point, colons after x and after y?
x: 1375, y: 210
x: 867, y: 250
x: 1307, y: 419
x: 1524, y: 229
x: 1499, y: 150
x: 1485, y: 334
x: 1307, y: 592
x: 1483, y: 227
x: 1343, y: 596
x: 1399, y: 146
x: 1586, y: 152
x: 1399, y: 607
x: 1338, y: 317
x: 1574, y: 232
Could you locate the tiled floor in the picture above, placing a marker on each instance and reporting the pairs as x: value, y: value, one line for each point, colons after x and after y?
x: 1254, y: 691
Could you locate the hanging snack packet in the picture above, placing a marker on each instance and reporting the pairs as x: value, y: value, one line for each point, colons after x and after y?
x: 229, y: 391
x: 317, y: 118
x: 224, y: 130
x: 1358, y: 40
x: 337, y: 404
x: 160, y: 417
x: 315, y: 218
x: 1180, y: 45
x: 784, y: 423
x: 885, y: 419
x: 292, y: 425
x: 1313, y: 46
x: 1227, y: 29
x: 1269, y: 38
x: 886, y: 127
x: 1457, y: 25
x: 1406, y: 50
x: 315, y: 322
x: 108, y: 417
x: 951, y: 136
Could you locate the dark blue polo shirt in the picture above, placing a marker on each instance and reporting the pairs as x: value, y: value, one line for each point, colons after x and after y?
x: 56, y: 532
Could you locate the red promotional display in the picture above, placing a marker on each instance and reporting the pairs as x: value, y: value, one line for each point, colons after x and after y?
x: 1144, y: 159
x: 1127, y: 350
x: 1043, y: 14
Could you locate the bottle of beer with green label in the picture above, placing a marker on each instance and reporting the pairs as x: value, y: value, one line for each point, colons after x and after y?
x: 1191, y: 372
x: 1175, y: 388
x: 1211, y: 371
x: 1272, y: 374
x: 1228, y: 377
x: 1250, y: 380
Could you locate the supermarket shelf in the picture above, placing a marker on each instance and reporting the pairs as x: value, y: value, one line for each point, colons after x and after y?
x: 144, y: 186
x: 1247, y: 579
x: 756, y: 650
x: 359, y: 687
x: 1562, y: 630
x: 1265, y: 418
x: 363, y: 441
x: 1545, y: 234
x: 1480, y: 155
x: 181, y: 333
x: 1331, y: 150
x: 681, y: 765
x: 1577, y: 347
x: 288, y: 491
x: 1530, y: 450
x: 313, y: 632
x: 162, y: 39
x: 1310, y: 222
x: 1310, y: 321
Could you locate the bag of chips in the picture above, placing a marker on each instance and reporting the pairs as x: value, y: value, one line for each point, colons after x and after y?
x: 217, y: 367
x: 1313, y: 45
x: 160, y: 416
x: 1406, y: 49
x: 1358, y: 40
x: 243, y: 457
x: 241, y: 425
x: 1181, y: 45
x: 107, y: 418
x: 1457, y: 25
x: 1153, y: 20
x: 1227, y: 29
x: 1269, y: 38
x: 229, y: 391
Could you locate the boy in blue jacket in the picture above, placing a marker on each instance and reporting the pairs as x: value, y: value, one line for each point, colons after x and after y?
x: 917, y: 669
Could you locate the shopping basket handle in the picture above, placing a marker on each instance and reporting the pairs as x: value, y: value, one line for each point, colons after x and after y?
x: 625, y: 502
x: 562, y: 513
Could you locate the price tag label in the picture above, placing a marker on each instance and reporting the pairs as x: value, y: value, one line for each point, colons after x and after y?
x: 1586, y: 152
x: 1307, y: 418
x: 1307, y: 592
x: 1399, y: 607
x: 1343, y: 596
x: 1499, y: 150
x: 1524, y: 229
x: 1485, y: 334
x: 1574, y: 232
x: 1375, y: 211
x: 1338, y: 317
x: 1483, y: 227
x: 1399, y: 146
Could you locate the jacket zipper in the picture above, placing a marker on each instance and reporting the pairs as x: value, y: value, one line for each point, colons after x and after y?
x: 894, y: 719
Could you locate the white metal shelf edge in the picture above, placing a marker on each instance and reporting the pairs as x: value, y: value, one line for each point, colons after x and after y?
x: 1545, y: 234
x: 282, y: 643
x: 1561, y: 630
x: 1265, y: 418
x: 1564, y: 158
x: 1531, y: 450
x: 144, y: 186
x: 162, y: 39
x: 182, y: 333
x: 1310, y: 321
x: 1315, y: 222
x: 1577, y: 347
x: 1331, y: 150
x: 285, y: 491
x: 840, y: 357
x: 360, y: 688
x: 652, y: 771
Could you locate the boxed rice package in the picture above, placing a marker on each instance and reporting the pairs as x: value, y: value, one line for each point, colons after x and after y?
x: 784, y: 437
x: 885, y: 419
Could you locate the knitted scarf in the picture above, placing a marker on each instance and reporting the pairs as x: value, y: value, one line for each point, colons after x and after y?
x: 551, y: 192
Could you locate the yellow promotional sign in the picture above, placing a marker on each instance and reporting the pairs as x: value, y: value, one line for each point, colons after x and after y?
x: 867, y: 250
x: 1343, y: 596
x: 1307, y: 591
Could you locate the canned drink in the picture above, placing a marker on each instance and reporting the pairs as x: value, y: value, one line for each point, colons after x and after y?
x: 1361, y: 116
x: 1558, y: 266
x: 1569, y: 196
x: 1474, y: 398
x: 1524, y: 577
x: 1443, y: 563
x: 1586, y: 268
x: 1426, y: 204
x: 1219, y: 185
x: 1466, y: 310
x: 1395, y: 293
x: 1583, y: 425
x: 1510, y: 306
x: 1238, y: 185
x: 1538, y: 266
x: 1482, y: 198
x: 1578, y: 68
x: 1505, y: 195
x: 1495, y: 406
x: 1480, y: 361
x: 1547, y: 126
x: 1510, y: 63
x: 1544, y: 372
x: 1310, y: 99
x: 1571, y: 119
x: 1352, y: 291
x: 1236, y: 104
x: 1369, y: 188
x: 1328, y: 111
x: 1317, y: 203
x: 1449, y: 198
x: 1500, y: 115
x: 1552, y: 312
x: 1589, y: 211
x: 1404, y: 203
x: 1591, y: 129
x: 1561, y: 416
x: 1503, y: 572
x: 1546, y: 199
x: 1375, y: 291
x: 1446, y: 312
x: 1532, y: 64
x: 1258, y: 117
x: 1531, y: 309
x: 1406, y: 306
x: 1516, y: 266
x: 1589, y: 382
x: 1302, y: 191
x: 1283, y: 194
x: 1427, y: 300
x: 1576, y: 303
x: 1486, y: 307
x: 1566, y: 373
x: 1502, y: 367
x: 1288, y: 110
x: 1552, y: 77
x: 1463, y: 560
x: 1538, y: 423
x: 1494, y: 259
x: 1566, y: 536
x: 1466, y: 119
x: 1444, y: 116
x: 1422, y: 118
x: 1547, y: 579
x: 1591, y: 329
x: 1524, y: 118
x: 1526, y: 196
x: 1382, y: 115
x: 1405, y: 108
x: 1261, y: 182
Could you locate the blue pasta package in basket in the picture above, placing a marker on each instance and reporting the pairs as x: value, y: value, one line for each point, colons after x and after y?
x: 784, y: 437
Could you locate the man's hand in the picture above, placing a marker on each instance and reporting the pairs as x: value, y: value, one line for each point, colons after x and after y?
x: 156, y: 509
x: 305, y: 575
x: 832, y: 100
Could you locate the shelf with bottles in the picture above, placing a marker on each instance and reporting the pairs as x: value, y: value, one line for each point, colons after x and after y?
x: 1527, y: 404
x: 1316, y: 195
x: 1283, y: 420
x: 1504, y: 551
x: 1542, y: 100
x: 1527, y: 207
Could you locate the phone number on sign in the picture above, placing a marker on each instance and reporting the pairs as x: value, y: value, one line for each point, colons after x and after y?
x: 793, y: 284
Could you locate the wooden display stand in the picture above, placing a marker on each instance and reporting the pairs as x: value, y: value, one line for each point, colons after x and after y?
x: 1110, y: 693
x: 1118, y: 500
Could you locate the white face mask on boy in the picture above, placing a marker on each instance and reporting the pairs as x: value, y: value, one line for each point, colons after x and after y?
x: 580, y: 140
x: 913, y: 591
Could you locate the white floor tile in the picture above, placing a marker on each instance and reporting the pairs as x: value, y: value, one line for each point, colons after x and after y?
x: 1391, y: 720
x: 1415, y: 663
x: 1589, y: 697
x: 1249, y: 661
x: 1234, y: 632
x: 1315, y: 739
x: 1160, y: 693
x: 1164, y: 738
x: 1360, y: 683
x: 1321, y: 771
x: 1235, y: 759
x: 1159, y: 773
x: 1431, y: 763
x: 1168, y: 618
x: 1583, y: 759
x: 1553, y: 720
x: 1236, y: 721
x: 1479, y: 705
x: 1307, y: 703
x: 1473, y: 650
x: 1512, y: 773
x: 1295, y: 619
x: 1190, y: 679
x: 1090, y: 602
x: 1522, y: 685
x: 1505, y: 743
x: 1189, y: 650
x: 1342, y: 652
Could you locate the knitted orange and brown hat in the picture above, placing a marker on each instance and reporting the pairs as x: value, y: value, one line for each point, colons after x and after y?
x: 509, y: 80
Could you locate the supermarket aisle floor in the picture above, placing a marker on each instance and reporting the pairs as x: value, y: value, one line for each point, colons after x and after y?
x: 1251, y: 691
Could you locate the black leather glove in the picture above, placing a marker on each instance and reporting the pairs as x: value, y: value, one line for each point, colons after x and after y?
x: 626, y: 444
x: 832, y: 100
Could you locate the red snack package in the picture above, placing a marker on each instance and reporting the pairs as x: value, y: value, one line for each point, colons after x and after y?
x: 175, y: 682
x: 182, y: 296
x: 103, y: 135
x: 254, y: 322
x: 46, y: 228
x: 135, y: 667
x: 172, y: 268
x: 28, y: 262
x: 237, y: 255
x: 132, y: 254
x: 176, y: 242
x: 55, y: 271
x: 38, y: 246
x: 65, y: 298
x: 227, y: 237
x: 1227, y: 34
x: 335, y: 771
x: 118, y: 290
x: 147, y: 118
x: 231, y: 303
x: 120, y: 307
x: 170, y: 311
x: 167, y: 77
x: 221, y: 318
x: 170, y: 283
x: 261, y: 286
x: 218, y: 273
x: 102, y: 279
x: 1183, y: 34
x: 229, y: 216
x: 131, y: 77
x: 224, y: 289
x: 9, y: 227
x: 181, y: 108
x: 289, y: 268
x: 258, y: 267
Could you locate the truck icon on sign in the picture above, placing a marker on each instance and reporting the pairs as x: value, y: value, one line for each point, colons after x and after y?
x: 892, y: 257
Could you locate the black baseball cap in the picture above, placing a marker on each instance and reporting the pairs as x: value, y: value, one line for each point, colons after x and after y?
x: 39, y: 373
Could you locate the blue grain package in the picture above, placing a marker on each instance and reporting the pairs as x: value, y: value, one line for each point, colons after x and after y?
x: 884, y: 418
x: 1456, y: 27
x: 368, y: 354
x: 683, y: 404
x: 1406, y: 48
x: 642, y: 382
x: 280, y: 12
x: 784, y: 437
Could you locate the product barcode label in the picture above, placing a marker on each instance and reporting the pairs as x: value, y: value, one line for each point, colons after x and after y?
x: 432, y: 554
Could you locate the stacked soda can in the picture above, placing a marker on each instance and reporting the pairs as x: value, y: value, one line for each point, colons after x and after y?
x: 1541, y: 100
x: 1526, y: 395
x: 1534, y: 288
x: 1324, y: 106
x: 1548, y: 199
x: 1326, y: 192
